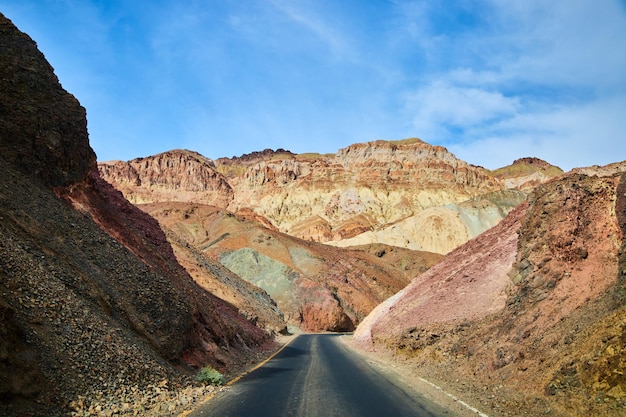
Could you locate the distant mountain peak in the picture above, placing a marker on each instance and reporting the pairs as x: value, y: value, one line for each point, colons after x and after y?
x: 526, y: 173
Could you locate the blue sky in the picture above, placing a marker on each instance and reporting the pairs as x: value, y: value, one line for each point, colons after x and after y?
x: 491, y: 80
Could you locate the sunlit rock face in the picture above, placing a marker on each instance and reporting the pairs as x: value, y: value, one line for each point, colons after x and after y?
x: 177, y: 175
x: 405, y: 193
x: 526, y: 173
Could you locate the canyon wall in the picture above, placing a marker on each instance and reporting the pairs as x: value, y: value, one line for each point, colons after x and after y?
x: 92, y: 298
x: 532, y: 310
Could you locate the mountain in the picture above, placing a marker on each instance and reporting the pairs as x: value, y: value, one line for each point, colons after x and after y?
x: 262, y: 216
x: 315, y: 287
x: 366, y: 193
x: 177, y: 175
x: 526, y: 173
x: 94, y: 304
x: 530, y: 316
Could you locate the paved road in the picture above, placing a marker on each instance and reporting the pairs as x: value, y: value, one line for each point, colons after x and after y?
x: 316, y: 375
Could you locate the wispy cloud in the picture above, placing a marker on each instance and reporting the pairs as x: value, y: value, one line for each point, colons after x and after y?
x: 546, y: 73
x: 440, y: 109
x: 324, y: 24
x: 493, y: 80
x: 568, y: 136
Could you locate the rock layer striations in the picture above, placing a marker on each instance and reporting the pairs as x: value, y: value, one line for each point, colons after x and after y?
x: 352, y: 197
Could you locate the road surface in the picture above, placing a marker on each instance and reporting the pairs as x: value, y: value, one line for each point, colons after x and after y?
x: 317, y: 375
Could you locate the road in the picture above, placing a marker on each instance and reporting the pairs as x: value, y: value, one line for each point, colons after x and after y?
x: 317, y: 375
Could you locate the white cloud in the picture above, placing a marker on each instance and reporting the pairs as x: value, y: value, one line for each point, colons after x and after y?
x: 567, y: 136
x: 541, y: 79
x: 441, y: 106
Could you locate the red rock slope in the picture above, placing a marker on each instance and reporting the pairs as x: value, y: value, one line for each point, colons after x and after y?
x: 470, y: 283
x: 528, y: 328
x: 316, y: 287
x: 92, y: 300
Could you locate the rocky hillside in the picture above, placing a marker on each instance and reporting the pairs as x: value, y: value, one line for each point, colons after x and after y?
x: 315, y: 287
x: 366, y: 193
x: 171, y: 176
x: 529, y: 318
x: 94, y: 305
x: 443, y: 228
x: 526, y: 173
x: 368, y: 180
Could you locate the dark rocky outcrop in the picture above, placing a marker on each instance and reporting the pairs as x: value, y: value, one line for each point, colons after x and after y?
x: 43, y: 129
x: 92, y: 299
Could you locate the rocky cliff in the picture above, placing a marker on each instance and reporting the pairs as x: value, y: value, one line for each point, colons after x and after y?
x: 369, y: 185
x: 366, y: 193
x: 530, y: 316
x: 170, y: 176
x: 94, y: 305
x: 44, y: 129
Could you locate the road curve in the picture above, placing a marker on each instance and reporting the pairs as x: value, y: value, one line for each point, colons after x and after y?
x: 317, y: 375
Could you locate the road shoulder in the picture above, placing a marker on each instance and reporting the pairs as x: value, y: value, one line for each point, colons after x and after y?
x: 405, y: 377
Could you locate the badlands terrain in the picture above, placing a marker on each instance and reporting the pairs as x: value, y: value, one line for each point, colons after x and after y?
x: 121, y: 279
x: 95, y: 308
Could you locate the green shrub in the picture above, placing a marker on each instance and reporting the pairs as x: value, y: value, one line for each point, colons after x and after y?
x: 208, y: 375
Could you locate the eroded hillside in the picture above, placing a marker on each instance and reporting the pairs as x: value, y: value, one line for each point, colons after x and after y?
x: 315, y: 287
x: 539, y: 319
x: 526, y: 173
x: 403, y: 193
x: 94, y: 305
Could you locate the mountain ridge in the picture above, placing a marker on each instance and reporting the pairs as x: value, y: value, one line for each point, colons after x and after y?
x: 329, y: 198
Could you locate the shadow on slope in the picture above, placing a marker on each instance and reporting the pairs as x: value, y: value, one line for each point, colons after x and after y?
x: 93, y: 299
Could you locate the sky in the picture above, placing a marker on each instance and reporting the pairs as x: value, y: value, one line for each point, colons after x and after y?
x: 491, y: 80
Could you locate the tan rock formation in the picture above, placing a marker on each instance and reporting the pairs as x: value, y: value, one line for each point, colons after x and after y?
x: 526, y: 173
x: 177, y: 175
x: 353, y: 194
x: 383, y: 180
x: 444, y: 228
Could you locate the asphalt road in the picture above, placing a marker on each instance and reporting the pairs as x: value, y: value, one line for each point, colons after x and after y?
x: 316, y: 375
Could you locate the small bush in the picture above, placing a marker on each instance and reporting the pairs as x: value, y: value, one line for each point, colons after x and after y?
x: 208, y: 375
